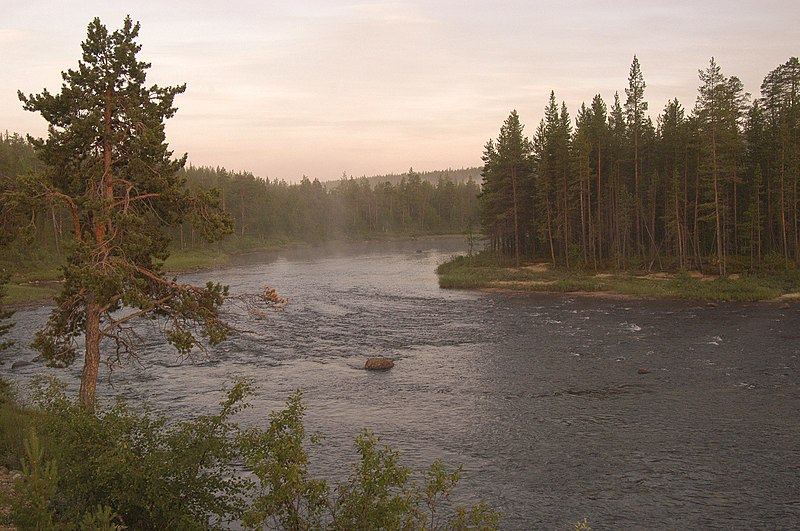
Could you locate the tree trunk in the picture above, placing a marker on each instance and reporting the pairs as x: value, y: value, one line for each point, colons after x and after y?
x: 91, y: 364
x: 583, y: 208
x: 599, y: 206
x: 717, y: 205
x: 698, y: 256
x: 516, y: 215
x: 784, y: 239
x: 566, y: 218
x: 637, y: 206
x: 679, y: 235
x: 550, y: 234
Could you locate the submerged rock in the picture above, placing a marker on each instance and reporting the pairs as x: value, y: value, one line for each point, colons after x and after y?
x: 378, y: 364
x: 643, y: 370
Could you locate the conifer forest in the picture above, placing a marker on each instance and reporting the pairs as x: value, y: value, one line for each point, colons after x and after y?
x: 697, y: 188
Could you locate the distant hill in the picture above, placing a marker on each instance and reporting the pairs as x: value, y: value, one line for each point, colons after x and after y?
x: 462, y: 175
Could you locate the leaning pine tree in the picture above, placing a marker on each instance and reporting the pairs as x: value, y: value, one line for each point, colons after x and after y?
x: 108, y: 162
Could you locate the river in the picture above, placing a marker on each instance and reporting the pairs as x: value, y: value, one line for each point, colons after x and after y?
x: 539, y: 396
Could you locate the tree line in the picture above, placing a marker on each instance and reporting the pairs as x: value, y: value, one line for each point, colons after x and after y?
x: 349, y: 208
x: 274, y: 210
x: 714, y: 188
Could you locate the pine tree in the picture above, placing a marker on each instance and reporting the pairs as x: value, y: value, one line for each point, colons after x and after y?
x: 108, y: 162
x: 599, y: 138
x: 554, y: 172
x: 720, y: 108
x: 582, y: 146
x: 635, y: 107
x: 506, y: 184
x: 781, y: 104
x: 619, y: 211
x: 673, y: 140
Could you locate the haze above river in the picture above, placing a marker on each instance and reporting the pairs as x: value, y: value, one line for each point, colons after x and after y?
x: 537, y: 395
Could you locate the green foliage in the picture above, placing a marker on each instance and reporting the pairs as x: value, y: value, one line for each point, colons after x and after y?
x: 621, y: 191
x: 156, y: 474
x: 269, y: 211
x: 286, y: 496
x: 507, y: 187
x: 14, y: 424
x: 32, y: 503
x: 31, y: 506
x: 5, y: 326
x: 377, y: 495
x: 103, y: 518
x: 118, y: 467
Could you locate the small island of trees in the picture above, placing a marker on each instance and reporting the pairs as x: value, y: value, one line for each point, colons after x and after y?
x: 713, y: 190
x: 694, y: 190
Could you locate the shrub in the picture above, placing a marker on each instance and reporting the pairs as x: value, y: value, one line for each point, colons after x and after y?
x: 379, y: 494
x: 155, y: 474
x: 115, y: 467
x: 14, y: 424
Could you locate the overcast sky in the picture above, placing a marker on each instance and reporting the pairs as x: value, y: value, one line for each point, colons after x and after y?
x: 293, y: 87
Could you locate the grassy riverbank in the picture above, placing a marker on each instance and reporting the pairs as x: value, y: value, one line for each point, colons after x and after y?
x: 37, y: 277
x: 485, y: 271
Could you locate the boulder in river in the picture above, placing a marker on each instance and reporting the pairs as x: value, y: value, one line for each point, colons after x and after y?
x: 378, y: 364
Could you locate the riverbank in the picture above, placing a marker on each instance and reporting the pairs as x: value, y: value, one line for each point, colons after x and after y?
x: 41, y: 282
x: 484, y: 272
x: 44, y: 283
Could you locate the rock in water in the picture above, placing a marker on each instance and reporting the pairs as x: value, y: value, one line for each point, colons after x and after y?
x: 20, y: 363
x: 378, y: 364
x: 643, y: 370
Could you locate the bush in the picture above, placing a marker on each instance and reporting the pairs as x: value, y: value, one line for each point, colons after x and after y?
x: 115, y: 467
x: 155, y: 474
x: 379, y: 494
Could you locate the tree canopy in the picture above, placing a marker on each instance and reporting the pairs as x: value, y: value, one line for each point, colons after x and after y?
x: 697, y: 190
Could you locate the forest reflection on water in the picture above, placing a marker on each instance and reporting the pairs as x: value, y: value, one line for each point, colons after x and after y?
x: 539, y: 396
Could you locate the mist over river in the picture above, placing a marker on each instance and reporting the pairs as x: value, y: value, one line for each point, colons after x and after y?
x: 539, y: 396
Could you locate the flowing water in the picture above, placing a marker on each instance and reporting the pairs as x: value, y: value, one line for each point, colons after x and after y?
x: 539, y: 396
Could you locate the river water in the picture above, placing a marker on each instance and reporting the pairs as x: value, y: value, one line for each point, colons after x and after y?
x: 539, y: 396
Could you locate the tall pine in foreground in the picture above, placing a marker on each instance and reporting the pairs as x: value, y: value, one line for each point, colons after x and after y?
x: 108, y: 163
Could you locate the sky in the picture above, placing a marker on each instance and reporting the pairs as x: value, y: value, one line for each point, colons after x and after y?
x: 323, y: 88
